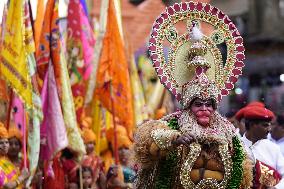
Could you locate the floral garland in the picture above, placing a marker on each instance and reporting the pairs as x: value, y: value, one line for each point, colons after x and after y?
x: 173, y: 124
x: 167, y: 166
x: 238, y: 158
x: 166, y: 171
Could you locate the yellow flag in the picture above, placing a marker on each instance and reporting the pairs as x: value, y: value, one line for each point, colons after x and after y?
x: 17, y: 44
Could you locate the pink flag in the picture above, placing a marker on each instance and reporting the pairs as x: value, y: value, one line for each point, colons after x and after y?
x: 80, y: 39
x: 53, y: 132
x: 18, y: 112
x: 20, y: 122
x: 80, y: 43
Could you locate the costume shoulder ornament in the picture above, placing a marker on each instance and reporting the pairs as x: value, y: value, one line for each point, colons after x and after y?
x: 194, y: 32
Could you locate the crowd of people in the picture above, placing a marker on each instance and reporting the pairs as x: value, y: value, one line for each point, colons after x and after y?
x: 66, y: 170
x: 262, y: 133
x: 260, y: 130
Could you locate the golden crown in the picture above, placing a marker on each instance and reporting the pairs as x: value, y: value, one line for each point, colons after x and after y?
x: 194, y: 66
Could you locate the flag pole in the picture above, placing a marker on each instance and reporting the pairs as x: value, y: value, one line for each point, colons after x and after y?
x: 24, y: 140
x: 9, y: 109
x: 114, y: 126
x: 81, y: 177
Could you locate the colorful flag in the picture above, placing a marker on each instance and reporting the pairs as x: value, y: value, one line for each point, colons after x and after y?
x: 97, y: 52
x: 49, y: 47
x: 50, y: 51
x: 53, y: 131
x: 3, y: 23
x: 18, y: 112
x: 39, y: 21
x: 3, y: 90
x: 3, y: 86
x: 85, y: 7
x: 13, y: 55
x: 97, y: 123
x: 35, y: 113
x: 113, y: 77
x: 80, y: 40
x: 18, y: 52
x: 80, y: 43
x: 140, y: 110
x: 74, y: 137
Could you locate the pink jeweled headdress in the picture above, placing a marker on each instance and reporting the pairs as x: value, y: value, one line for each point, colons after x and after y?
x: 194, y: 66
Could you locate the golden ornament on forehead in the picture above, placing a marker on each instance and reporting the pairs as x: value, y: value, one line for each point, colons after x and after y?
x: 177, y: 69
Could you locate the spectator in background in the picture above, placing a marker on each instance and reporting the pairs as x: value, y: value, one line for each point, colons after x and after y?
x: 61, y: 171
x: 124, y: 145
x: 122, y: 174
x: 277, y: 132
x: 89, y: 181
x: 127, y: 169
x: 92, y: 160
x: 269, y: 162
x: 70, y: 167
x: 15, y: 146
x: 239, y: 116
x: 73, y: 185
x: 113, y: 180
x: 10, y: 176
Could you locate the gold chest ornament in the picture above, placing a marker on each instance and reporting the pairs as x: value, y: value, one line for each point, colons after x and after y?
x: 187, y: 165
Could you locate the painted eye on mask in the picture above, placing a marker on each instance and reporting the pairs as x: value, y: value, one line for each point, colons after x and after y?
x: 209, y: 104
x: 200, y: 104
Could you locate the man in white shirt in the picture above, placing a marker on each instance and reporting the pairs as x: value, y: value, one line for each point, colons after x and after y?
x: 277, y: 133
x: 269, y: 161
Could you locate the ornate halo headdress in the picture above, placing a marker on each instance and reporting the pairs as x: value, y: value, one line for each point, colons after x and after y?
x: 195, y: 66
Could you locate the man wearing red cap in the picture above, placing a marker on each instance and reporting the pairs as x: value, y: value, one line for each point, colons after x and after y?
x: 269, y: 162
x: 239, y: 116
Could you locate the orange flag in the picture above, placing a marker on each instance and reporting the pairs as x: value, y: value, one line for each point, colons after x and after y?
x: 49, y: 43
x: 39, y: 21
x: 113, y: 76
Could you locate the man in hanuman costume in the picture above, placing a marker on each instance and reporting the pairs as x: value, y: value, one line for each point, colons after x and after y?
x: 195, y: 147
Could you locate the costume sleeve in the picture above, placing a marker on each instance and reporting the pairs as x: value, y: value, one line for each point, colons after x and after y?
x: 153, y: 141
x: 280, y: 167
x: 247, y: 173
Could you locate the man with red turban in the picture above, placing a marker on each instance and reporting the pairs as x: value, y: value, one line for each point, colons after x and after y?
x: 269, y: 162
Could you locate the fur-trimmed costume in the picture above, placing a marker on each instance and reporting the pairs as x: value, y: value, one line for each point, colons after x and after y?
x: 194, y: 69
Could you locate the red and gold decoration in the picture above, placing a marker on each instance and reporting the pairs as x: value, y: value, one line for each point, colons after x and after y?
x: 175, y: 73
